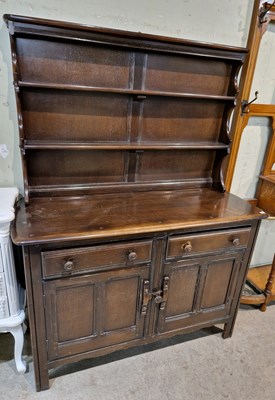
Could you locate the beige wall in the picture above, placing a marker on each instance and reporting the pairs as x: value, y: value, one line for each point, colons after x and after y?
x: 225, y: 22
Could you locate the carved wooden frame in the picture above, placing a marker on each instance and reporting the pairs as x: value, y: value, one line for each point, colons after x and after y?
x: 263, y: 13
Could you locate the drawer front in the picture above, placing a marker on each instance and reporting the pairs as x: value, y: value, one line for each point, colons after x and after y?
x: 232, y: 239
x: 70, y: 261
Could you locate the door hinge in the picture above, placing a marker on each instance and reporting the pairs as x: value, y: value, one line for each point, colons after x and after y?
x: 160, y: 296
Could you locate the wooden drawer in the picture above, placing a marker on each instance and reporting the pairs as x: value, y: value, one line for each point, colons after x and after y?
x: 70, y: 261
x: 182, y: 246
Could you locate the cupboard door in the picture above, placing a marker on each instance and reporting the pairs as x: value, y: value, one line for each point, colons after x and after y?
x: 200, y: 290
x: 94, y: 311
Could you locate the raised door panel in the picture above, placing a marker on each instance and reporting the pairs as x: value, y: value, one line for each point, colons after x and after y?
x: 182, y: 288
x: 200, y: 291
x: 217, y: 283
x: 94, y: 311
x: 69, y: 303
x: 120, y: 304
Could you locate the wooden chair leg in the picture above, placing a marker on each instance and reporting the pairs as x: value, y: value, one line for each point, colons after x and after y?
x: 269, y: 285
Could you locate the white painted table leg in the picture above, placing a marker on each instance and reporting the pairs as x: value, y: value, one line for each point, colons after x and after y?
x: 15, y: 326
x: 18, y: 335
x: 11, y: 316
x: 24, y: 328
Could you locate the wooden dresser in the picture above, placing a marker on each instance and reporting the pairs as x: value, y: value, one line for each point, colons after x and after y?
x: 127, y: 233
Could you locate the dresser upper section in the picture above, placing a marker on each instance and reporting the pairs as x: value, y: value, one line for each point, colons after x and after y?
x: 104, y: 111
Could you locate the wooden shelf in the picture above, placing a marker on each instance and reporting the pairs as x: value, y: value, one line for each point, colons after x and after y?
x: 258, y: 276
x: 269, y: 178
x: 53, y: 145
x: 256, y: 284
x: 266, y: 194
x: 108, y: 90
x: 85, y: 188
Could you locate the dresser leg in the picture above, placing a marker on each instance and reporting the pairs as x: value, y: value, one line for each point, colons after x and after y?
x: 269, y: 286
x: 18, y: 335
x: 43, y: 383
x: 228, y: 330
x: 41, y: 373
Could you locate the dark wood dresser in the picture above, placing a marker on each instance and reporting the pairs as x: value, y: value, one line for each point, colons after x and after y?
x: 127, y: 233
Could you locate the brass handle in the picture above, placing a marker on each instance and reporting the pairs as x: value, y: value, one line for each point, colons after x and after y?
x: 164, y: 292
x: 187, y: 247
x: 236, y: 242
x: 69, y: 265
x: 146, y: 297
x: 158, y: 298
x: 132, y: 256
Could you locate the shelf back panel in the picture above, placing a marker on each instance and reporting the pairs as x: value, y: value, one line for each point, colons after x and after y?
x: 73, y: 63
x: 181, y: 120
x: 177, y: 165
x: 75, y: 116
x: 58, y: 167
x: 187, y: 74
x: 83, y: 167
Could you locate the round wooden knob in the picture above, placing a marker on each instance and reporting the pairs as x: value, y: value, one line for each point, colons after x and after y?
x: 68, y: 265
x: 236, y: 241
x: 132, y: 256
x: 187, y: 247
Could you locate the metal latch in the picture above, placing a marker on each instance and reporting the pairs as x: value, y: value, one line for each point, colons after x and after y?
x: 160, y: 296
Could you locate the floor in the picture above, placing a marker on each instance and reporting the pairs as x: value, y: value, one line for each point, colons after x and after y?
x: 208, y: 368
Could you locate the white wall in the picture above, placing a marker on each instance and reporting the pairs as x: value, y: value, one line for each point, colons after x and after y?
x: 225, y: 22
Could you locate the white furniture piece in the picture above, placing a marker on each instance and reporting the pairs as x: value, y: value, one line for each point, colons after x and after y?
x: 11, y: 315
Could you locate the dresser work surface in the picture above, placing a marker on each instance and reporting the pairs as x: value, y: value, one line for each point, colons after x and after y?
x: 49, y: 220
x: 128, y: 234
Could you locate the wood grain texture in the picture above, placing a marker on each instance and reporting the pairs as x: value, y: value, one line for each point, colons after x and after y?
x: 266, y: 194
x: 46, y: 220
